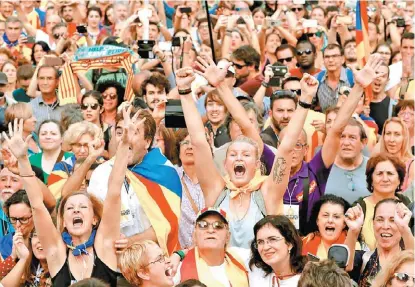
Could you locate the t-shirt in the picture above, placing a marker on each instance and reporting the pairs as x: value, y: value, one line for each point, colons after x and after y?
x: 349, y: 184
x: 367, y: 229
x: 257, y: 278
x: 299, y: 74
x: 380, y: 112
x: 20, y: 96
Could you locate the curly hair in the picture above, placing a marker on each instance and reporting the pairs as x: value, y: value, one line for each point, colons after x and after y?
x: 157, y: 80
x: 291, y: 236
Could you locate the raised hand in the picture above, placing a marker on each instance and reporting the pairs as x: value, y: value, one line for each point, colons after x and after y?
x: 130, y: 126
x: 96, y: 149
x: 211, y: 72
x: 368, y: 74
x: 354, y: 218
x: 402, y: 216
x: 121, y: 243
x: 184, y: 78
x: 17, y: 145
x: 19, y: 249
x: 159, y: 111
x: 309, y: 86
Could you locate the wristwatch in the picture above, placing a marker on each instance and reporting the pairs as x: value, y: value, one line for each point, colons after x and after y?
x: 304, y: 105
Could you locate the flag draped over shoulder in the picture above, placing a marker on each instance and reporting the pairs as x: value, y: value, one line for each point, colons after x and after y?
x: 159, y: 191
x: 59, y: 175
x: 362, y: 39
x: 90, y: 58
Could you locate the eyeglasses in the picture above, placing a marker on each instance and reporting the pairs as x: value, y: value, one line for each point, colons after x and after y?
x: 317, y: 34
x: 217, y: 225
x: 22, y: 220
x: 405, y: 114
x: 57, y: 36
x: 307, y: 52
x: 299, y: 146
x: 80, y: 145
x: 350, y: 185
x: 160, y: 259
x: 403, y: 277
x: 110, y: 96
x: 297, y: 9
x: 288, y: 60
x: 184, y: 142
x: 297, y: 92
x: 328, y: 57
x: 270, y: 241
x: 92, y: 106
x: 238, y: 66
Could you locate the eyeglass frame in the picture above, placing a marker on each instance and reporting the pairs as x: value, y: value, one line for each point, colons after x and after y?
x: 288, y: 59
x: 211, y: 224
x: 239, y: 66
x: 306, y: 51
x: 20, y: 219
x: 162, y: 259
x: 84, y: 107
x: 395, y: 275
x: 267, y: 241
x: 298, y: 144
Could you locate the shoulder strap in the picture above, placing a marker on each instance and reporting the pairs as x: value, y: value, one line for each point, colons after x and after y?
x: 304, y: 209
x: 366, y: 256
x: 259, y: 201
x: 350, y: 77
x: 192, y: 202
x: 221, y: 198
x: 320, y: 76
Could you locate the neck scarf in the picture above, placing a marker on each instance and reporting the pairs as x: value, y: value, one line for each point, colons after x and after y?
x: 254, y: 184
x: 312, y: 241
x: 9, y: 43
x: 81, y: 248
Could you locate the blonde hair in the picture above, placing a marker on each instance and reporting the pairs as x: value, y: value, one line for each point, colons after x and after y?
x: 385, y: 276
x: 405, y: 153
x: 134, y: 258
x: 245, y: 139
x: 18, y: 111
x: 77, y: 130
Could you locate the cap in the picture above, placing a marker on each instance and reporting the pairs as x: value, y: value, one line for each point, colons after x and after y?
x: 211, y: 210
x: 3, y: 79
x: 222, y: 64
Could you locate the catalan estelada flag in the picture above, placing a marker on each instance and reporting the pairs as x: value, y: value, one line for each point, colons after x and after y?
x: 362, y: 40
x: 59, y: 175
x: 159, y: 191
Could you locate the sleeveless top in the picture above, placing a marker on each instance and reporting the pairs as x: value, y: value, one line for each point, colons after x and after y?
x: 242, y: 229
x: 100, y: 271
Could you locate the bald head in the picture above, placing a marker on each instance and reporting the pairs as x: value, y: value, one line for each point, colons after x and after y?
x: 138, y: 80
x: 302, y: 138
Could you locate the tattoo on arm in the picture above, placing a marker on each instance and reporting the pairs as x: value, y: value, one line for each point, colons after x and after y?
x: 279, y: 169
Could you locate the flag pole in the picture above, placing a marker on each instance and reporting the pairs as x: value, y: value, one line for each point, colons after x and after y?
x: 210, y: 31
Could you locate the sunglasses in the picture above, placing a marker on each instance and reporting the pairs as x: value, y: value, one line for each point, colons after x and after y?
x: 288, y: 60
x: 297, y: 9
x: 109, y: 96
x: 217, y: 225
x: 307, y: 52
x: 298, y: 92
x: 317, y: 34
x: 403, y: 277
x: 92, y: 106
x: 238, y: 66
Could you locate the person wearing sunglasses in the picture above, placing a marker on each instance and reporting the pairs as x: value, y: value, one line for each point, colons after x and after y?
x: 211, y: 261
x: 286, y: 55
x: 299, y: 11
x: 92, y: 107
x: 306, y: 57
x: 398, y: 272
x: 113, y: 95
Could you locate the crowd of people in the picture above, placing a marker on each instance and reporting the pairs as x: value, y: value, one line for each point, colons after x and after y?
x: 218, y: 143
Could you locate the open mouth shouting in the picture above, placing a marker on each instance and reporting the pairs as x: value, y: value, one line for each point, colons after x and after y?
x: 239, y: 169
x: 77, y: 222
x: 330, y: 230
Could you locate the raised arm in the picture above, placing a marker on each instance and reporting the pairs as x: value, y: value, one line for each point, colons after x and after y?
x: 363, y: 79
x: 354, y: 219
x: 231, y: 102
x: 109, y: 228
x: 210, y: 179
x: 49, y: 236
x: 402, y: 218
x: 275, y: 185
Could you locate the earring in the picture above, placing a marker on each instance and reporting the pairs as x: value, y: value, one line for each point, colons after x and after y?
x: 289, y: 251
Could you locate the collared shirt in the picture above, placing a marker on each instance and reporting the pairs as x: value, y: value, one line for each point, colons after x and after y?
x: 328, y: 97
x: 188, y: 215
x: 221, y: 137
x: 43, y: 111
x: 318, y: 175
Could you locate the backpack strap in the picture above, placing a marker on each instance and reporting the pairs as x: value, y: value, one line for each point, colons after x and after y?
x: 320, y: 76
x: 350, y: 78
x: 304, y: 209
x: 259, y: 201
x: 220, y: 198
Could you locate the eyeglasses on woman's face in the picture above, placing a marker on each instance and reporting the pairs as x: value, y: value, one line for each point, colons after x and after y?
x: 160, y: 259
x: 260, y: 243
x: 22, y: 220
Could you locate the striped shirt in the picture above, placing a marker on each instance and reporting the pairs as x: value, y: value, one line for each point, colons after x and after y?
x: 43, y: 111
x: 328, y: 97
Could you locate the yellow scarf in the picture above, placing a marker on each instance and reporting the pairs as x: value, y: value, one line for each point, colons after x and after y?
x: 253, y: 185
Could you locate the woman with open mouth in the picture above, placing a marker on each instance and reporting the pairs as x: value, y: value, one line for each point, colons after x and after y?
x: 244, y: 193
x: 327, y: 226
x: 391, y: 227
x: 82, y: 245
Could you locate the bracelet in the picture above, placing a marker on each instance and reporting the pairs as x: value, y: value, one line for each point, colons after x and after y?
x: 163, y: 60
x: 264, y: 84
x: 180, y: 253
x: 185, y: 92
x: 304, y: 105
x: 28, y: 175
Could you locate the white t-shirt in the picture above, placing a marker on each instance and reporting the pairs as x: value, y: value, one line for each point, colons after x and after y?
x: 257, y: 278
x: 98, y: 186
x: 42, y: 36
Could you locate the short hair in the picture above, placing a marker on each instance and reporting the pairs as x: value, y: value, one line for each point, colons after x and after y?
x: 285, y: 47
x: 362, y: 133
x: 403, y: 105
x: 13, y: 19
x: 48, y: 67
x: 155, y: 24
x: 382, y: 157
x: 70, y: 115
x: 325, y: 273
x: 384, y: 277
x: 59, y: 25
x: 215, y: 97
x: 405, y: 36
x: 348, y: 41
x: 306, y: 41
x: 96, y: 9
x: 19, y: 196
x: 247, y: 54
x: 18, y: 111
x: 191, y: 283
x: 90, y: 282
x: 289, y: 79
x: 25, y: 72
x: 51, y: 121
x: 134, y: 258
x: 333, y: 46
x: 332, y: 109
x: 276, y: 96
x: 248, y: 106
x: 104, y: 85
x: 156, y: 79
x: 77, y: 130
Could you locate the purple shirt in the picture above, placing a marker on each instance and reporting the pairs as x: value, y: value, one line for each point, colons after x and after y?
x: 318, y: 175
